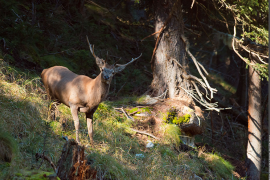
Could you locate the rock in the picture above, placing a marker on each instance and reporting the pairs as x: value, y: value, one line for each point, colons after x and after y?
x: 139, y: 156
x: 148, y: 100
x: 197, y: 177
x: 143, y: 114
x: 194, y: 126
x: 149, y: 145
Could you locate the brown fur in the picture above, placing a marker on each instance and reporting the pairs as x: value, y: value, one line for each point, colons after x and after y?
x: 78, y: 92
x: 68, y: 87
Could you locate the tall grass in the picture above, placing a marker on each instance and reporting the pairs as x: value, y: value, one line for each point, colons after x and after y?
x: 24, y: 115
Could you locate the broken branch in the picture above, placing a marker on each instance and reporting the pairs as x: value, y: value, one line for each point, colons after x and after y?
x: 122, y: 109
x: 143, y: 132
x: 44, y: 157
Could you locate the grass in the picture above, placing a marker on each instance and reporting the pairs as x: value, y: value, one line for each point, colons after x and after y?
x: 8, y: 146
x: 24, y: 114
x: 218, y: 165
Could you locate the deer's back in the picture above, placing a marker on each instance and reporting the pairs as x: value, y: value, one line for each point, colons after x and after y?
x: 62, y: 84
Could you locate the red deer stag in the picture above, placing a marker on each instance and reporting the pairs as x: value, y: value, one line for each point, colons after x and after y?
x: 79, y: 92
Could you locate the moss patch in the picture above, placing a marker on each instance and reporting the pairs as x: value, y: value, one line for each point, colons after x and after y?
x: 172, y: 118
x: 181, y: 119
x: 33, y: 175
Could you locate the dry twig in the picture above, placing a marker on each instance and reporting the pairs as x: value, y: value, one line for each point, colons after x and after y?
x: 44, y: 157
x: 143, y: 132
x: 128, y: 116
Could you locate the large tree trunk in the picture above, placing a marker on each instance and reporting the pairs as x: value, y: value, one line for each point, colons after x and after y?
x: 254, y: 147
x: 166, y: 73
x: 242, y: 92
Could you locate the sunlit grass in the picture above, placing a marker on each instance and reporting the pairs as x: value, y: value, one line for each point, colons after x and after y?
x: 221, y: 167
x: 24, y: 114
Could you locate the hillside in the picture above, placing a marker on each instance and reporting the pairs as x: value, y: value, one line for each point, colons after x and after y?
x: 25, y: 115
x: 44, y: 34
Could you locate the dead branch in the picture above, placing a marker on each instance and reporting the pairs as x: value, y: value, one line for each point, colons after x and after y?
x: 128, y: 116
x: 44, y: 157
x: 152, y: 34
x: 239, y: 55
x: 163, y: 94
x: 192, y: 4
x: 258, y: 55
x: 189, y: 77
x: 197, y: 89
x: 201, y: 100
x: 133, y: 113
x: 145, y: 133
x: 212, y: 90
x: 209, y: 106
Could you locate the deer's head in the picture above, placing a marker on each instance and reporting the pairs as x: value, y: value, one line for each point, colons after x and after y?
x: 108, y: 71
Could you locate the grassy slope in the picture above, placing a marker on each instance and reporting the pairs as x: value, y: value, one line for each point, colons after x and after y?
x: 24, y: 114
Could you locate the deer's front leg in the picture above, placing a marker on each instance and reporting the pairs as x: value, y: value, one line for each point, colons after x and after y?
x: 74, y: 112
x: 89, y: 119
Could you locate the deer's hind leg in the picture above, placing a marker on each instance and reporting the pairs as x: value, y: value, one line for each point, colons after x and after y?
x: 74, y: 112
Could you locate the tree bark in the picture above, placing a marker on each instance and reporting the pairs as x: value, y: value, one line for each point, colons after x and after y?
x: 254, y: 147
x: 166, y: 73
x: 242, y: 91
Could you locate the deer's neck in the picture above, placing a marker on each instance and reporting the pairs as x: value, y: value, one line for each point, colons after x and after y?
x: 101, y: 89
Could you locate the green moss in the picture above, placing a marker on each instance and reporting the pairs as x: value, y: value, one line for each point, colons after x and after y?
x: 147, y: 109
x: 133, y: 110
x: 34, y: 175
x: 182, y: 119
x: 171, y: 117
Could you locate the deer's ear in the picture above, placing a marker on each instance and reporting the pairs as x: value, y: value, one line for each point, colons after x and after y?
x: 119, y: 69
x: 100, y: 62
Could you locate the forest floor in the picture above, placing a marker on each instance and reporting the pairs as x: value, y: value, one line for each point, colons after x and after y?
x: 119, y: 152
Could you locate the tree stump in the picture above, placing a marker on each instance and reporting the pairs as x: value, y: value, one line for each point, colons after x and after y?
x: 72, y: 163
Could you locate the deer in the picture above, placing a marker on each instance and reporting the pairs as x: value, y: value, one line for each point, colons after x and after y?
x: 79, y: 92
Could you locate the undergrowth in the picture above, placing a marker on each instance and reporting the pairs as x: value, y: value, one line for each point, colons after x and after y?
x: 58, y: 38
x: 24, y: 114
